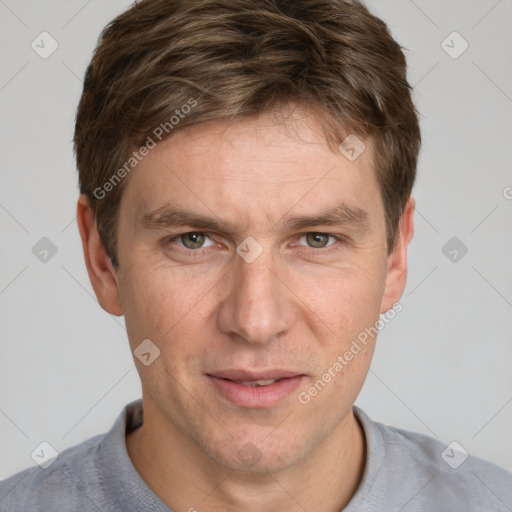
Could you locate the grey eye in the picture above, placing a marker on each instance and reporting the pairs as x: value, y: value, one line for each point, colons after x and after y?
x: 317, y: 240
x: 193, y: 240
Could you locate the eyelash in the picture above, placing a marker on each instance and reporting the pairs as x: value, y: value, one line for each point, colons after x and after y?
x: 316, y: 252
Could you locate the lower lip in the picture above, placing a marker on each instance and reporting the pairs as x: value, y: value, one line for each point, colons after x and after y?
x: 257, y: 396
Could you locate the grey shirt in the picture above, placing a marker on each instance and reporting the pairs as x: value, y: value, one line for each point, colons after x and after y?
x: 404, y: 472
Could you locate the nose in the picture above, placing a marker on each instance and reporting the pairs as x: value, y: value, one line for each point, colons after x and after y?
x: 258, y: 307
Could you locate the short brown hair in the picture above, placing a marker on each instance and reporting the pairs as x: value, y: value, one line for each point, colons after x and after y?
x: 240, y: 58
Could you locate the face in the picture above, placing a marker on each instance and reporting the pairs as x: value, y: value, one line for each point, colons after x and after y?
x: 249, y: 251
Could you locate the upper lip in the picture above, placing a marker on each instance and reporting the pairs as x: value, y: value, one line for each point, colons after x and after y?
x: 243, y: 375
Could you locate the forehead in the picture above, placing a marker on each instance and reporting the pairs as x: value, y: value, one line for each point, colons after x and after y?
x: 252, y: 171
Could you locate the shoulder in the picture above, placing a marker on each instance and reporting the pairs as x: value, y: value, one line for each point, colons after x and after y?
x: 60, y: 486
x: 423, y: 471
x: 94, y: 475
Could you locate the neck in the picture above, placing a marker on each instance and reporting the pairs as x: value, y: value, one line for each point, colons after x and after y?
x: 185, y: 478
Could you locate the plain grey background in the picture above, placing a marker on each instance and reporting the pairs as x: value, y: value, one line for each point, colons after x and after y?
x: 442, y: 366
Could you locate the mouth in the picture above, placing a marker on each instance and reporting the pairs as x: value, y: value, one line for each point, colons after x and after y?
x: 254, y: 383
x: 255, y: 390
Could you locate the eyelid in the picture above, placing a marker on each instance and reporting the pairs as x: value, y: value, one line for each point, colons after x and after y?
x: 336, y: 237
x: 325, y: 250
x: 175, y: 238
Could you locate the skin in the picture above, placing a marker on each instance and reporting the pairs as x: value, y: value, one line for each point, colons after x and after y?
x: 296, y: 307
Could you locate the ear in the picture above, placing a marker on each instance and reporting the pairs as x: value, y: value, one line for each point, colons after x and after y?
x: 102, y: 274
x: 396, y: 275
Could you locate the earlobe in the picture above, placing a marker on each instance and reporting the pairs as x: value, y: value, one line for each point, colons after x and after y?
x: 396, y: 275
x: 99, y: 267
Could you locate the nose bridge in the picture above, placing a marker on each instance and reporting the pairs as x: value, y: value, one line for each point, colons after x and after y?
x: 256, y: 307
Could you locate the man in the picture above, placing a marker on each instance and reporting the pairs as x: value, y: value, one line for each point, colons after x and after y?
x: 246, y: 170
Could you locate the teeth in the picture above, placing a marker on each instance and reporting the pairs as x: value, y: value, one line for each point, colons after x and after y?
x: 254, y: 383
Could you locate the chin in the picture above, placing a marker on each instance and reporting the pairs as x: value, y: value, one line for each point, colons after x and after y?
x: 257, y: 457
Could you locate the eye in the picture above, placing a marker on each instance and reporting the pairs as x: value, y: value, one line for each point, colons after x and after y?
x: 192, y: 240
x: 318, y: 240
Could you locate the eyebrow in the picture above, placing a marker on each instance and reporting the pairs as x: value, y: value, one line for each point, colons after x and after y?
x: 169, y: 216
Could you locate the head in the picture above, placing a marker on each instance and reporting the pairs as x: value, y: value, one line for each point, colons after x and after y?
x: 224, y: 119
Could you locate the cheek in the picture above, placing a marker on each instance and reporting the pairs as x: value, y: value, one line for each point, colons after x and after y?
x: 159, y: 303
x: 346, y: 300
x: 150, y: 304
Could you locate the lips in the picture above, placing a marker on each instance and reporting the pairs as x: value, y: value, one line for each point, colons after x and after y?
x: 252, y: 383
x: 246, y: 376
x: 255, y: 389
